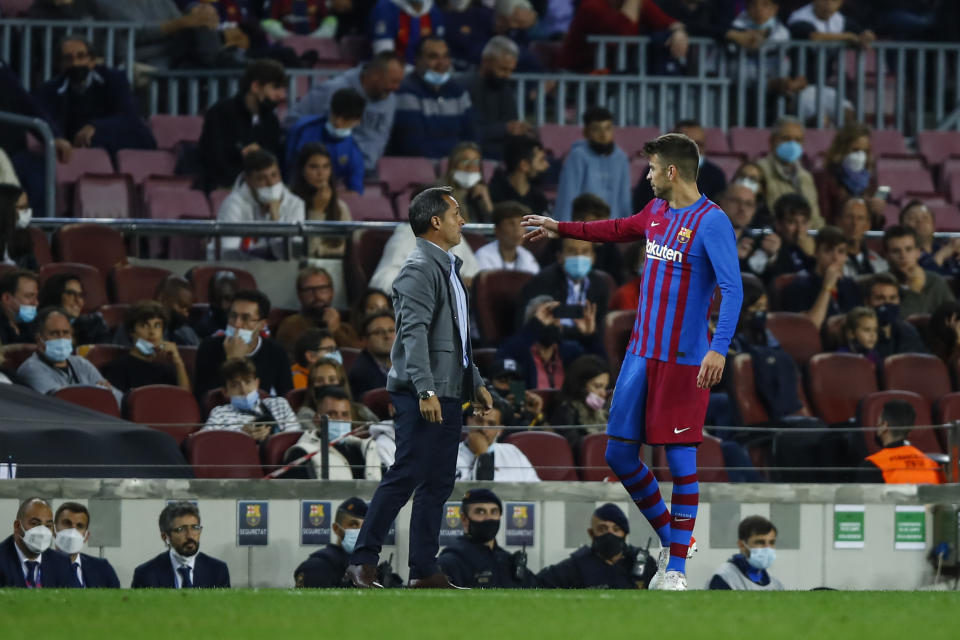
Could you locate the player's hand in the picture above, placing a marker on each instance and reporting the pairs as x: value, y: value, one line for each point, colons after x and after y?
x: 711, y: 370
x: 485, y: 405
x: 430, y: 410
x: 544, y: 228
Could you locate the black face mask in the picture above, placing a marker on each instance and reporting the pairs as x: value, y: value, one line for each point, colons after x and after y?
x: 482, y: 531
x: 267, y: 106
x: 601, y: 149
x: 608, y: 546
x: 78, y: 74
x: 547, y: 335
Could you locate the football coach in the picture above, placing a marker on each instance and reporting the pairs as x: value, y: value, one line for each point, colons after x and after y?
x: 431, y: 376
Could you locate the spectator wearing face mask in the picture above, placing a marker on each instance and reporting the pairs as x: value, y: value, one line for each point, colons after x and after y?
x: 325, y: 568
x: 782, y: 170
x: 608, y: 563
x: 894, y: 335
x: 747, y: 570
x: 152, y: 359
x: 849, y: 172
x: 72, y: 525
x: 538, y: 347
x: 585, y: 396
x: 482, y: 458
x: 595, y: 165
x: 860, y: 334
x: 465, y: 176
x: 26, y: 559
x: 475, y: 560
x: 16, y: 243
x: 247, y: 412
x: 18, y: 297
x: 328, y: 372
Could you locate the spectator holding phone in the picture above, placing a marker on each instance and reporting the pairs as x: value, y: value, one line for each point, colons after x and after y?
x: 523, y: 408
x: 585, y: 399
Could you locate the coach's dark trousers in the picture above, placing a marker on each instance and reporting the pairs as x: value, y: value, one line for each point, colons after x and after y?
x: 426, y: 462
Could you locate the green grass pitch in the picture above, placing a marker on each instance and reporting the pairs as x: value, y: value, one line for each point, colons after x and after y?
x: 491, y: 615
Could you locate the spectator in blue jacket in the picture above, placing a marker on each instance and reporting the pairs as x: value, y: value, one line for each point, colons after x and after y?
x: 335, y: 131
x: 403, y: 25
x: 595, y: 165
x: 434, y: 112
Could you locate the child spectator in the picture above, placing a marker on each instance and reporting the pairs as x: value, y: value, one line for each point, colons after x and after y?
x: 860, y: 334
x: 309, y: 348
x: 151, y: 359
x: 335, y: 132
x: 247, y: 411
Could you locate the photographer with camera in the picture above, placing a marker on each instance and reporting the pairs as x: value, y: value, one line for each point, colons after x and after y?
x: 608, y: 563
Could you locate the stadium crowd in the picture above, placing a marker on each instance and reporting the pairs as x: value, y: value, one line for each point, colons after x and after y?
x: 551, y: 321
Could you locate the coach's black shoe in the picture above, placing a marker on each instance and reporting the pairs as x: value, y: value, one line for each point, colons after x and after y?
x: 363, y: 576
x: 436, y: 581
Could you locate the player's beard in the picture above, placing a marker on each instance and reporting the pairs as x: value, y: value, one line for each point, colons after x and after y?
x: 662, y: 192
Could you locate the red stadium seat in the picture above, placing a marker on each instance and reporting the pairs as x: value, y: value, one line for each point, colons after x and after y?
x: 937, y: 146
x: 749, y: 405
x: 295, y: 398
x: 98, y: 195
x: 780, y: 283
x: 836, y: 382
x: 632, y: 139
x: 171, y: 203
x: 710, y: 465
x: 753, y: 142
x: 871, y: 408
x: 275, y: 447
x: 816, y: 142
x: 189, y: 357
x: 200, y: 277
x: 558, y: 138
x: 400, y: 173
x: 172, y: 130
x: 113, y: 314
x: 904, y: 176
x: 100, y: 355
x: 618, y: 327
x: 165, y: 408
x: 888, y: 142
x: 81, y: 161
x: 97, y: 245
x: 350, y: 355
x: 91, y: 397
x: 41, y: 246
x: 94, y: 289
x: 549, y: 453
x: 921, y: 373
x: 729, y: 162
x: 139, y: 164
x: 378, y: 401
x: 364, y: 250
x: 797, y: 335
x: 327, y: 50
x: 217, y: 196
x: 223, y: 454
x: 369, y: 206
x: 133, y: 283
x: 716, y: 141
x: 15, y: 354
x: 593, y: 460
x: 496, y: 296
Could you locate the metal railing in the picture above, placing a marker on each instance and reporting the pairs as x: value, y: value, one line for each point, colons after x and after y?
x: 902, y: 100
x: 115, y: 42
x: 50, y: 154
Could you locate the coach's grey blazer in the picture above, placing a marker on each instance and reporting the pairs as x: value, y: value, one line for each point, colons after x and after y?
x: 427, y: 354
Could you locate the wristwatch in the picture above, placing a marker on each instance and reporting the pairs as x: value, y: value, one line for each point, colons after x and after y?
x: 426, y: 395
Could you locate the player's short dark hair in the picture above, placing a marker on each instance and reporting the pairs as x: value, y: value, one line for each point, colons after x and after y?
x: 517, y: 149
x: 898, y: 231
x: 143, y: 312
x: 257, y: 297
x: 900, y: 416
x: 238, y: 369
x: 258, y: 160
x: 791, y: 204
x: 678, y: 150
x: 263, y: 71
x: 829, y: 237
x: 596, y: 114
x: 10, y: 281
x: 754, y: 526
x: 587, y: 204
x: 309, y: 340
x: 427, y: 204
x: 508, y: 210
x: 347, y: 103
x: 175, y: 510
x: 72, y: 507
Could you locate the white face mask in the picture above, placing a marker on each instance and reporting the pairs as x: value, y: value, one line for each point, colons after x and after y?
x: 24, y: 216
x: 70, y: 541
x: 270, y: 194
x: 467, y: 179
x: 244, y: 334
x: 38, y: 539
x: 349, y: 540
x: 762, y: 557
x: 337, y: 429
x: 855, y: 161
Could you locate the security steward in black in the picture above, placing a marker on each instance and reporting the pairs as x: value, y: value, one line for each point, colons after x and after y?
x: 608, y: 563
x: 325, y: 568
x: 475, y: 560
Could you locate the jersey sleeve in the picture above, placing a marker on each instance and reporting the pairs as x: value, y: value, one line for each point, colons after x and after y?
x: 616, y: 230
x: 721, y: 245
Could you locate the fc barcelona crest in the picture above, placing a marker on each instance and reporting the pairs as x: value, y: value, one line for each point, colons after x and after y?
x: 520, y: 516
x: 253, y: 514
x: 317, y: 516
x: 684, y: 235
x: 453, y: 515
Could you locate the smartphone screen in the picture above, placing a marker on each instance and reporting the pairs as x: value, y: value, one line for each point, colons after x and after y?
x: 518, y: 390
x: 568, y: 311
x: 883, y: 192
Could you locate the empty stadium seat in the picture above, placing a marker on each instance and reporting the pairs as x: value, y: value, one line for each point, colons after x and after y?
x: 921, y: 373
x: 728, y: 163
x: 97, y: 245
x: 100, y: 355
x: 549, y: 453
x: 169, y: 131
x: 887, y: 142
x: 496, y: 296
x: 189, y: 357
x: 378, y: 401
x: 275, y: 447
x: 139, y: 164
x: 751, y: 141
x: 399, y: 173
x: 217, y: 196
x: 632, y: 139
x: 710, y: 465
x: 557, y: 138
x: 81, y: 161
x: 327, y: 50
x: 871, y: 408
x: 904, y: 176
x: 133, y: 283
x: 295, y: 398
x: 716, y: 141
x: 937, y: 146
x: 94, y: 289
x: 223, y: 454
x: 369, y: 206
x: 41, y: 246
x: 836, y: 382
x: 91, y: 397
x: 175, y: 202
x: 165, y: 408
x: 816, y: 142
x: 618, y: 327
x: 593, y: 461
x: 749, y: 404
x: 152, y: 184
x: 797, y: 334
x: 99, y: 195
x: 200, y: 277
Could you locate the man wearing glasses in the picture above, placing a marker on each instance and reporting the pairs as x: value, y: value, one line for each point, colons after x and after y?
x: 369, y: 370
x: 242, y: 338
x: 315, y: 292
x: 182, y: 566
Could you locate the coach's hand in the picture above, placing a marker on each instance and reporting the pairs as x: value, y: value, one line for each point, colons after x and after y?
x: 430, y: 410
x: 711, y: 369
x: 486, y: 402
x: 544, y: 227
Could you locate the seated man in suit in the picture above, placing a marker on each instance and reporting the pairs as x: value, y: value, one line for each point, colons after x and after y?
x: 325, y: 568
x: 183, y: 566
x: 26, y: 559
x: 72, y: 524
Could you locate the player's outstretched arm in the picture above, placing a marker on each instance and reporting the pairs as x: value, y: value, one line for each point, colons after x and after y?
x: 543, y: 228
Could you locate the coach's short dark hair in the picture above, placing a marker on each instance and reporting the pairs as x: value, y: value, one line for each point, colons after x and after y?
x: 427, y: 204
x: 238, y: 369
x: 596, y: 114
x: 678, y: 150
x: 509, y: 209
x: 263, y: 71
x: 142, y: 312
x: 898, y: 231
x: 73, y: 507
x: 257, y: 297
x: 754, y: 526
x: 517, y: 149
x: 791, y: 204
x: 900, y: 416
x: 258, y: 160
x: 829, y: 237
x: 176, y: 510
x: 347, y: 103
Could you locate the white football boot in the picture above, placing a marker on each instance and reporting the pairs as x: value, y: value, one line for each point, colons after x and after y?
x: 673, y: 581
x: 662, y: 561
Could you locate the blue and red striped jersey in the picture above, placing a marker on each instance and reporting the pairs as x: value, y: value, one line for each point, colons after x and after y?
x: 690, y: 252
